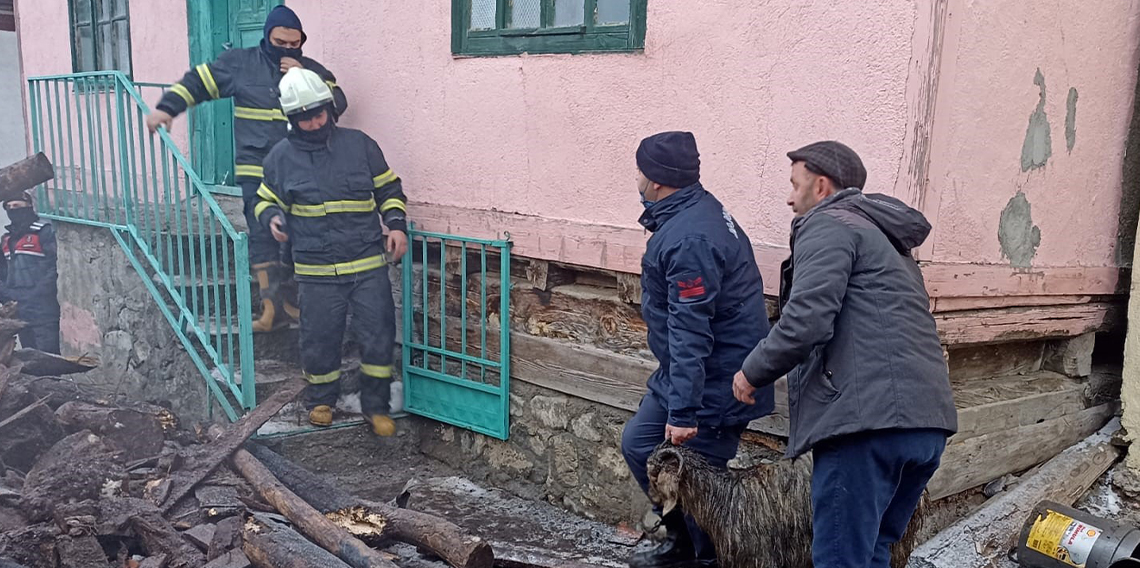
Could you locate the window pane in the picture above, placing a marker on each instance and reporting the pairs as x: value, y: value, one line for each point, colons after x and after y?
x: 105, y: 48
x: 121, y: 37
x: 526, y: 13
x: 103, y: 10
x: 569, y: 12
x: 81, y: 11
x: 483, y: 14
x: 84, y: 49
x: 121, y: 10
x: 613, y: 12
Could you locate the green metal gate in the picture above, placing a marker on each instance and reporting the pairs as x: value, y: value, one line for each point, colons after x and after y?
x: 456, y: 341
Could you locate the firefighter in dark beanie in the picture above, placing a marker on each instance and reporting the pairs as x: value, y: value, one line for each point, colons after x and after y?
x: 28, y: 273
x: 703, y: 304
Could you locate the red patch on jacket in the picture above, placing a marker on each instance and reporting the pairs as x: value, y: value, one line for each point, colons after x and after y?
x: 692, y: 289
x: 28, y: 244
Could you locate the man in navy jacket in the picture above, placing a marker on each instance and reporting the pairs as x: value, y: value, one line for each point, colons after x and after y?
x: 703, y: 303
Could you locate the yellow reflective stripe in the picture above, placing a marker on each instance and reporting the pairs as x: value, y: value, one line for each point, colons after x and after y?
x: 207, y: 77
x: 322, y: 379
x: 393, y: 203
x: 249, y: 171
x: 328, y: 207
x: 331, y: 84
x: 184, y: 93
x: 261, y: 207
x: 384, y: 179
x: 267, y: 194
x: 266, y: 114
x: 340, y: 268
x: 377, y: 371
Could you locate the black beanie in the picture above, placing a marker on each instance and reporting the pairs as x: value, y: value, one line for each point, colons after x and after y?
x: 670, y: 159
x: 283, y: 17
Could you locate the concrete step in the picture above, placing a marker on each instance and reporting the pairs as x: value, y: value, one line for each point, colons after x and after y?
x: 272, y: 375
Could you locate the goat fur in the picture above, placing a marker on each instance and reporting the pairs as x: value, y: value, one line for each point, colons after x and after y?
x: 756, y: 518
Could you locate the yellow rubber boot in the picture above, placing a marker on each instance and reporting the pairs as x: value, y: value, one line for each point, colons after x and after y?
x: 383, y: 425
x: 321, y: 416
x: 276, y: 310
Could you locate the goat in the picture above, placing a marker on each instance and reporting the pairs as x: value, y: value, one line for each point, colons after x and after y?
x: 756, y: 518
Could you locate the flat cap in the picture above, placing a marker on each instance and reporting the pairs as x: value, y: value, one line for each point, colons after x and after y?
x: 835, y: 160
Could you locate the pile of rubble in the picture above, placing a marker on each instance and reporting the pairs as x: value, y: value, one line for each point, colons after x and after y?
x: 84, y: 483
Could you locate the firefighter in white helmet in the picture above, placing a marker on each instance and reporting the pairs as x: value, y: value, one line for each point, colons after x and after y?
x: 325, y: 191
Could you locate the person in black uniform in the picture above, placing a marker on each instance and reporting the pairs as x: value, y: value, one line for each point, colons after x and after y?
x: 28, y: 272
x: 323, y: 188
x: 251, y: 77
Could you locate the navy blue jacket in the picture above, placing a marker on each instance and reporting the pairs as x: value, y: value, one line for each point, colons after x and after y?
x: 28, y: 272
x: 703, y: 302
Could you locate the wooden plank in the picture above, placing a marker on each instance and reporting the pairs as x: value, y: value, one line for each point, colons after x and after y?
x: 958, y: 280
x: 976, y: 461
x: 990, y: 302
x: 983, y: 361
x: 982, y: 539
x: 1020, y: 324
x: 200, y: 461
x: 1011, y: 414
x: 609, y: 247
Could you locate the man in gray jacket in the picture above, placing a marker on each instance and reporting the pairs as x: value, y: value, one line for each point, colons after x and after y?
x: 868, y: 389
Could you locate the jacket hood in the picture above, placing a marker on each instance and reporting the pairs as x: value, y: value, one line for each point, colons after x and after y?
x: 903, y: 225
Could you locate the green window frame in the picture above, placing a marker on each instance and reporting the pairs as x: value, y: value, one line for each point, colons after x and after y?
x: 511, y: 27
x: 100, y: 35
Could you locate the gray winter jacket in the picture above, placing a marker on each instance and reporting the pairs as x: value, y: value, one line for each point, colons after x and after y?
x: 855, y: 336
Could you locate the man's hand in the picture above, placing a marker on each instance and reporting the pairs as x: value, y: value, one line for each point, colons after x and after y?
x: 742, y: 389
x: 288, y: 63
x: 397, y: 245
x: 158, y: 118
x: 678, y: 435
x: 277, y: 227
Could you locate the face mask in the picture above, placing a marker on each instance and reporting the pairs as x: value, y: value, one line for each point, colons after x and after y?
x: 22, y: 216
x: 644, y: 187
x: 277, y: 53
x: 319, y: 135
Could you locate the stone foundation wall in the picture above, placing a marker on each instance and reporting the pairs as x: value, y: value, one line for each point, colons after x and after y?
x: 108, y: 312
x: 562, y: 449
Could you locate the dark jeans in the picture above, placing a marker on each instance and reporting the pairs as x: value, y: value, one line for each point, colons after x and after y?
x: 262, y: 247
x: 864, y: 490
x: 324, y: 313
x: 646, y: 430
x: 41, y: 336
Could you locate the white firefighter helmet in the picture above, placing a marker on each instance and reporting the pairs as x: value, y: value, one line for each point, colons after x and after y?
x: 303, y: 90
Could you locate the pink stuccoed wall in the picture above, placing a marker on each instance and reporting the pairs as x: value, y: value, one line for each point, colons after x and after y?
x: 991, y: 54
x: 936, y: 96
x: 554, y: 135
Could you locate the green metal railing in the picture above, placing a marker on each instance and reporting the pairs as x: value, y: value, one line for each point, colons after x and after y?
x: 453, y: 371
x: 111, y: 173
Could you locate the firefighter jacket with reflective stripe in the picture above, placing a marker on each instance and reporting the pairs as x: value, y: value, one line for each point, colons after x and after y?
x: 333, y: 195
x: 28, y: 272
x: 251, y: 78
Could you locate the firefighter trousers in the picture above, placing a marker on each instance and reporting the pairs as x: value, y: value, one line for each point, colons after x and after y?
x: 324, y: 310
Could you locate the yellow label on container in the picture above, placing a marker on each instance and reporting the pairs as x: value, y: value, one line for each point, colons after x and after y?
x: 1063, y: 538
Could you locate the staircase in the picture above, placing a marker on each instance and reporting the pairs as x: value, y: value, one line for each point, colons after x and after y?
x: 112, y: 174
x: 187, y: 242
